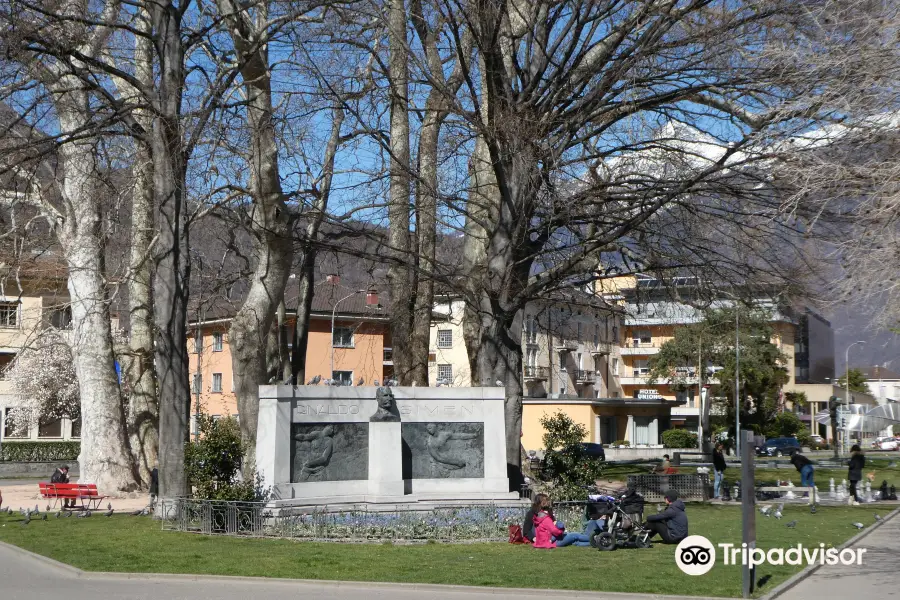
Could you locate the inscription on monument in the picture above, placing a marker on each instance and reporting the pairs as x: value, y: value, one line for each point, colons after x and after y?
x: 329, y: 452
x: 443, y: 450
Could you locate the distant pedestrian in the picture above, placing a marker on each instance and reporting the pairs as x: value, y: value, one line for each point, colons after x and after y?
x: 719, y: 467
x: 805, y: 467
x: 664, y: 467
x: 154, y: 487
x: 854, y: 473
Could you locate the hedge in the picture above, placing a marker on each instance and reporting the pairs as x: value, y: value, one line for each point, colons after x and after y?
x: 679, y: 438
x: 39, y: 451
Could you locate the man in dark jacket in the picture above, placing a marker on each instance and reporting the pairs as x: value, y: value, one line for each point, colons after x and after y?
x: 61, y: 475
x: 805, y: 467
x: 719, y: 467
x: 672, y: 523
x: 154, y: 487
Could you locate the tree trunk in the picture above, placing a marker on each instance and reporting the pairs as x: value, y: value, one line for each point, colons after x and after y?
x: 143, y: 407
x: 105, y: 458
x: 305, y: 293
x: 399, y: 275
x: 172, y: 263
x: 426, y: 230
x: 284, y: 353
x: 270, y: 224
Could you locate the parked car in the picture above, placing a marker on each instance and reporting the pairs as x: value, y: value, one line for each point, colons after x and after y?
x: 593, y: 450
x: 816, y: 439
x: 886, y: 443
x: 785, y: 446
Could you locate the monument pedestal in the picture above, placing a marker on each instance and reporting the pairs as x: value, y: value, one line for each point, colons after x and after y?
x: 385, y: 471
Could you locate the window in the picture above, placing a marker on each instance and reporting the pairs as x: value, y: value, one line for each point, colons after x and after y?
x: 530, y: 329
x: 445, y: 338
x: 342, y: 337
x: 445, y: 373
x: 198, y: 383
x: 641, y: 367
x: 49, y: 428
x: 9, y: 315
x: 641, y: 338
x: 641, y: 431
x: 596, y: 335
x: 76, y: 428
x: 12, y: 429
x: 217, y: 383
x: 6, y: 359
x: 198, y: 343
x: 615, y: 365
x: 578, y: 331
x: 531, y: 357
x: 344, y: 377
x: 217, y: 341
x: 61, y: 318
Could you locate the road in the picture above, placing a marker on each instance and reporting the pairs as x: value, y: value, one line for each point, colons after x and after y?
x: 22, y: 576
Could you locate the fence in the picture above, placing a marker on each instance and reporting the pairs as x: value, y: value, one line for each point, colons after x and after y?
x: 486, y: 523
x: 652, y: 487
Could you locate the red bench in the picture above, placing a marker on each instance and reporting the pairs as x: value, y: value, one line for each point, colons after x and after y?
x: 85, y: 494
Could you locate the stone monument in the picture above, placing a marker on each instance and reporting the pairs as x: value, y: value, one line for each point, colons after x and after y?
x: 351, y: 445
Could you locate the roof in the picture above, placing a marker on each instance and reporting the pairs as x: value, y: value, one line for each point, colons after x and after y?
x: 878, y: 372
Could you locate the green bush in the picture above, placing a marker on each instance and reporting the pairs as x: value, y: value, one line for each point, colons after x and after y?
x: 566, y: 466
x: 679, y: 438
x: 618, y: 443
x: 39, y: 451
x: 785, y: 424
x: 213, y: 463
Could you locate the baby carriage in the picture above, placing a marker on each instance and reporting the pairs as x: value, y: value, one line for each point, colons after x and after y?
x: 624, y: 522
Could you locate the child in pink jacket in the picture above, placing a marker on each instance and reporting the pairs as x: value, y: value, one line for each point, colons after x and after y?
x: 546, y: 530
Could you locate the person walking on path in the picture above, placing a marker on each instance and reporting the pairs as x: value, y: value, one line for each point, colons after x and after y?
x: 856, y: 465
x: 805, y: 467
x: 719, y: 467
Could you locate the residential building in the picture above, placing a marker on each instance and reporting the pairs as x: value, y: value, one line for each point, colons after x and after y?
x: 356, y: 352
x: 883, y: 383
x: 448, y: 360
x: 33, y: 296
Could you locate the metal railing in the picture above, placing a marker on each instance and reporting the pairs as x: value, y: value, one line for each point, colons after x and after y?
x: 533, y: 372
x: 583, y: 375
x: 258, y: 519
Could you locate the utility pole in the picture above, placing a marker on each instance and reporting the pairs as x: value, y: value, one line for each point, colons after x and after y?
x: 737, y: 380
x: 846, y: 421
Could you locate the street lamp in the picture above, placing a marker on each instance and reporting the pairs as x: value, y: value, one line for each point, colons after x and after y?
x: 737, y: 381
x: 371, y: 300
x: 847, y: 398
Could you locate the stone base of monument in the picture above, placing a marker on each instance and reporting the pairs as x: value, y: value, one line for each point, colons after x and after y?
x: 341, y: 446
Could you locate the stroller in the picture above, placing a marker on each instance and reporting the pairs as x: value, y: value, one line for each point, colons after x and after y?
x: 624, y: 522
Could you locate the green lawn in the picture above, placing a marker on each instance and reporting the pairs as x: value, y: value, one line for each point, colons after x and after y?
x: 136, y: 544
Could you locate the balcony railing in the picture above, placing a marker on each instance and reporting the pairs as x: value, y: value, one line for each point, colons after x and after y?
x: 583, y: 375
x: 532, y: 372
x: 601, y: 348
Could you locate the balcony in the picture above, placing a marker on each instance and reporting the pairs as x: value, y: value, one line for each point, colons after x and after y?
x: 583, y: 376
x: 635, y: 348
x: 388, y: 358
x: 601, y: 349
x: 532, y: 373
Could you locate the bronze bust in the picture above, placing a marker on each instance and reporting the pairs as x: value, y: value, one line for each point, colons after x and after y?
x: 387, y: 408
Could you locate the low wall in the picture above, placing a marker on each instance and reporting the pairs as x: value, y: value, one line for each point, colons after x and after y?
x: 27, y: 470
x: 613, y: 454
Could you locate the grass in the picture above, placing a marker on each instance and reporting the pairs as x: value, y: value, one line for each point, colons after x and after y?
x: 136, y: 544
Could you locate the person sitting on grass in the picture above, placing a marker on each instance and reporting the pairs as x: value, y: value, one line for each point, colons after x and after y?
x: 546, y: 529
x: 672, y: 523
x: 528, y: 522
x: 596, y: 523
x: 805, y: 468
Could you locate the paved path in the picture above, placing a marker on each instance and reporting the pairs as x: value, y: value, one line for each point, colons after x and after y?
x: 878, y: 576
x: 24, y: 576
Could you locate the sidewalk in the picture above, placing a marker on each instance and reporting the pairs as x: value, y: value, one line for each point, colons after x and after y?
x: 877, y: 577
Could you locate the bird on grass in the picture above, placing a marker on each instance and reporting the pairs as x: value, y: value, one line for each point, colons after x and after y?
x: 877, y: 517
x: 58, y: 513
x: 812, y: 509
x: 765, y: 510
x: 792, y: 524
x: 859, y: 525
x: 778, y: 514
x: 67, y: 513
x: 43, y: 516
x: 83, y: 514
x: 108, y: 513
x: 27, y: 519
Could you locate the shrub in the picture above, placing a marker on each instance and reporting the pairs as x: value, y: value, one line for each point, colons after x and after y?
x: 213, y: 463
x: 566, y: 465
x: 618, y: 443
x: 679, y: 438
x: 39, y: 451
x: 785, y: 424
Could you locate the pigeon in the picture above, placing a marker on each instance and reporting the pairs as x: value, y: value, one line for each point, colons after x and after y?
x: 792, y: 524
x: 316, y: 379
x: 137, y: 512
x: 67, y: 513
x: 43, y: 516
x: 47, y: 509
x: 108, y: 513
x: 58, y: 513
x: 812, y: 509
x: 877, y: 517
x: 36, y: 511
x: 778, y: 514
x: 765, y: 510
x: 109, y: 506
x: 83, y: 514
x: 361, y: 381
x: 859, y: 525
